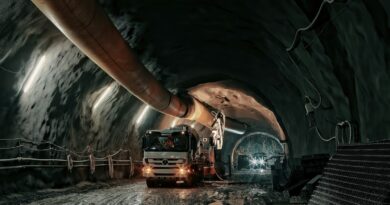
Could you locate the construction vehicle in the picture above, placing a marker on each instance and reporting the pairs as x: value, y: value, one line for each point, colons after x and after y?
x: 179, y: 155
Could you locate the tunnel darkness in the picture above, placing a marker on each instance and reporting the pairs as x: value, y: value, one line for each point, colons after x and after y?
x: 230, y: 55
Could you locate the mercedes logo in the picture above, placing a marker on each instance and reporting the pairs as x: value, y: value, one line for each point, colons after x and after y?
x: 165, y: 162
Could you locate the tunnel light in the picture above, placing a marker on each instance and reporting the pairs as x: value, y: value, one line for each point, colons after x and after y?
x: 33, y: 76
x: 173, y: 124
x: 254, y: 161
x: 234, y: 131
x: 261, y: 161
x: 142, y: 115
x: 103, y: 96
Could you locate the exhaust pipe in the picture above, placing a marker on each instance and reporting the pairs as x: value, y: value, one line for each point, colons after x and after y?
x: 89, y: 28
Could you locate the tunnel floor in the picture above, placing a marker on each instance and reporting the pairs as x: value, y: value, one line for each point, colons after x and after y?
x: 136, y: 192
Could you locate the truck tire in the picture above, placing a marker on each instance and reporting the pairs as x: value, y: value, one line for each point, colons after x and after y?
x: 189, y: 182
x: 150, y: 183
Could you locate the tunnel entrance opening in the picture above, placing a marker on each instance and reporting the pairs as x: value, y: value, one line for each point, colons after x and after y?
x: 257, y: 151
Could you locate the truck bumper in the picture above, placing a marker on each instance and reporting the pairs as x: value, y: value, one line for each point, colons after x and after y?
x: 164, y: 173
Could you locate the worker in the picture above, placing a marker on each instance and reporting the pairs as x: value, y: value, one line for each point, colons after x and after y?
x: 169, y: 144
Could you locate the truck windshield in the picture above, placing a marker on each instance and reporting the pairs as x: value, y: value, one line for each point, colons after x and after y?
x: 174, y: 142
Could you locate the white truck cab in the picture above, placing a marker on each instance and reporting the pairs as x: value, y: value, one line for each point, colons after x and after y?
x: 169, y: 156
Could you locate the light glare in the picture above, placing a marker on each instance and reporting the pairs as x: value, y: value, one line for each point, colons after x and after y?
x: 181, y: 171
x: 254, y: 162
x: 34, y: 74
x: 142, y: 115
x: 234, y: 131
x: 174, y: 122
x: 147, y: 170
x: 102, y: 97
x: 261, y: 161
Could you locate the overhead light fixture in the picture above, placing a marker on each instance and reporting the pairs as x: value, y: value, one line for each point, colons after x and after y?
x: 142, y: 115
x: 103, y: 96
x: 239, y: 132
x: 33, y: 76
x: 174, y: 122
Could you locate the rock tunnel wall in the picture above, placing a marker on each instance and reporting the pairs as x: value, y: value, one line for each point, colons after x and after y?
x: 60, y: 105
x: 185, y: 43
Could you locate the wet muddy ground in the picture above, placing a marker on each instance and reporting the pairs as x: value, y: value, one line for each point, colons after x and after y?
x: 136, y: 192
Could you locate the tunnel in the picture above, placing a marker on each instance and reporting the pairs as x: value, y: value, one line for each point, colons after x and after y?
x: 273, y: 102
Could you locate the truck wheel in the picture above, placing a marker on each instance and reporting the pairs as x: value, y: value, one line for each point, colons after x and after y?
x: 198, y: 179
x: 150, y: 183
x: 190, y: 181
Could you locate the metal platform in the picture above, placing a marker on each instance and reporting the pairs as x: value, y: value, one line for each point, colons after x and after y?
x: 356, y: 174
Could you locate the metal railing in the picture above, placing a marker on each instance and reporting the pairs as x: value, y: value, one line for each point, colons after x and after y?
x: 73, y: 159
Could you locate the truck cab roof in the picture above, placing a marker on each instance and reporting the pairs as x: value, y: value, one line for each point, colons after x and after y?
x: 179, y: 128
x: 170, y: 130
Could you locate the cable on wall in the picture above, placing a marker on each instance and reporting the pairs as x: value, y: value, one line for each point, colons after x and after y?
x: 300, y: 30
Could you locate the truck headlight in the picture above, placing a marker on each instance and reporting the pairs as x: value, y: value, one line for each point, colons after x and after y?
x: 184, y: 170
x: 147, y: 170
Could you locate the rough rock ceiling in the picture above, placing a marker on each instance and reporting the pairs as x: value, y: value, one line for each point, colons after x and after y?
x: 239, y: 104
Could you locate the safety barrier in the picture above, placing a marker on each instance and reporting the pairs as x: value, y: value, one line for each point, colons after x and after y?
x: 74, y: 159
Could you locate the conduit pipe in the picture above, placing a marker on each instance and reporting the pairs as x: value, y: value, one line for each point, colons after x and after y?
x: 89, y: 28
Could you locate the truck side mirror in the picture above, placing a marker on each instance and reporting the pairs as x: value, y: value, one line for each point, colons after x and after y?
x: 143, y: 142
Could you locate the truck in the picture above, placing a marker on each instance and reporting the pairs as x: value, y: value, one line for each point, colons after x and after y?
x: 173, y: 156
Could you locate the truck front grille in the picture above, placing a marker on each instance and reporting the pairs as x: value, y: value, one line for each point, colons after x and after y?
x: 161, y: 161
